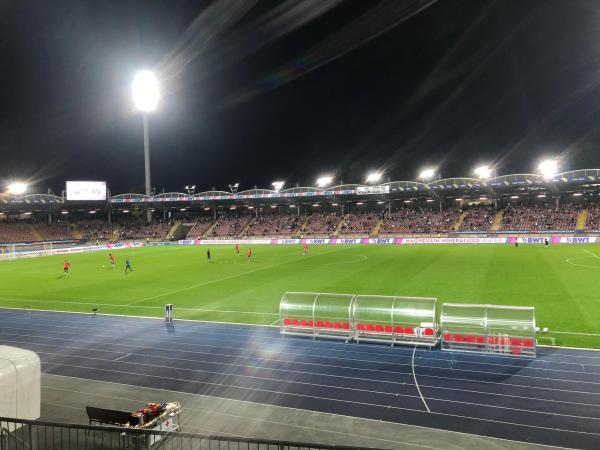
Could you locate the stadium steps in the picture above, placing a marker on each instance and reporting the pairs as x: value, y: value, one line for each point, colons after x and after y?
x: 582, y: 219
x: 76, y: 232
x: 244, y: 231
x: 36, y: 233
x: 302, y: 227
x: 377, y: 227
x: 497, y: 223
x: 460, y: 220
x: 338, y: 227
x: 210, y: 229
x: 174, y: 228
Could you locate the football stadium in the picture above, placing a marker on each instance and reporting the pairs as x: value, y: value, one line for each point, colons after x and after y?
x: 361, y: 307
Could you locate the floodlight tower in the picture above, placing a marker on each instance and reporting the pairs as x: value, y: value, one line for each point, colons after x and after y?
x: 145, y: 98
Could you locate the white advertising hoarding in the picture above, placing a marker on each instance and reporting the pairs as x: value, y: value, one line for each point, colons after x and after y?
x: 361, y: 190
x: 86, y: 190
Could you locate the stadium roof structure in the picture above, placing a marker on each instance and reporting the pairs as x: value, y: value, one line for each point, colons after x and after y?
x: 583, y: 181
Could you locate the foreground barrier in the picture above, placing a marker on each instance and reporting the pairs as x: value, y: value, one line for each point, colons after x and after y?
x: 390, y: 320
x: 507, y: 330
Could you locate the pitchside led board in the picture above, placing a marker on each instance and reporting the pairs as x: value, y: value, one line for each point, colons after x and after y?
x: 86, y: 190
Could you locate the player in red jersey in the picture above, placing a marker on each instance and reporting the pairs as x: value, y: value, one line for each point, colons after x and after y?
x: 66, y: 267
x: 249, y: 254
x: 305, y: 249
x: 111, y: 257
x: 237, y: 249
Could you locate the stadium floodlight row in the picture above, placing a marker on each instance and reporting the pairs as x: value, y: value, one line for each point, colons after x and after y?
x: 584, y: 182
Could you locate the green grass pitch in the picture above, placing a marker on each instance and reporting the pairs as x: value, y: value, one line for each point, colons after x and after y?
x: 561, y: 281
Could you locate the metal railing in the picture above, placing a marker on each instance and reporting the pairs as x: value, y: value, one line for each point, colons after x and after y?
x: 17, y: 434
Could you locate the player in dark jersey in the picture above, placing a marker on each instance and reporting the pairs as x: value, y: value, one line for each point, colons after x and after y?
x: 208, y: 254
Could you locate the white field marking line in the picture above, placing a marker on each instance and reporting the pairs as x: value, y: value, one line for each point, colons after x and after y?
x: 341, y: 400
x: 402, y: 373
x: 569, y: 261
x: 237, y: 275
x: 265, y: 341
x: 128, y: 316
x: 372, y: 380
x: 221, y: 347
x: 442, y: 369
x: 244, y: 324
x: 590, y: 253
x: 415, y: 378
x: 132, y: 306
x: 119, y: 358
x: 275, y: 322
x: 324, y: 413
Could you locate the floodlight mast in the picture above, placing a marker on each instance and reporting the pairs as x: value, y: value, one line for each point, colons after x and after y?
x: 145, y: 97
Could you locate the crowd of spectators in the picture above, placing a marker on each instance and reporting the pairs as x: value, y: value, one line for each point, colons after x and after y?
x: 137, y: 228
x: 202, y: 224
x: 321, y: 224
x: 359, y: 223
x: 95, y: 230
x: 419, y: 221
x: 55, y: 231
x: 231, y: 224
x: 539, y: 218
x: 16, y: 232
x: 478, y: 218
x: 593, y: 218
x: 272, y: 224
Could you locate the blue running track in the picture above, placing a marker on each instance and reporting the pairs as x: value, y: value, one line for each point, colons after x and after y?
x: 553, y: 400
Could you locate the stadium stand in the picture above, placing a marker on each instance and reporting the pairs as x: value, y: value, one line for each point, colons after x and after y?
x: 95, y: 230
x: 231, y: 224
x: 478, y: 218
x: 593, y: 218
x: 361, y: 223
x: 539, y: 218
x: 273, y: 224
x: 419, y: 221
x: 139, y: 229
x: 16, y: 232
x: 55, y: 231
x: 201, y: 226
x: 321, y: 224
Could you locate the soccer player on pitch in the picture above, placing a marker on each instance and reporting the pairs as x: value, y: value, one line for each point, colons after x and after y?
x: 112, y: 260
x: 237, y: 249
x: 305, y: 249
x: 128, y: 265
x: 66, y: 267
x: 249, y: 254
x: 208, y: 254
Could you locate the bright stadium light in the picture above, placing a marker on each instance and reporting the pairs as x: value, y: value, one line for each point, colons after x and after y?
x: 548, y: 168
x: 277, y: 185
x: 145, y: 91
x: 374, y: 177
x: 483, y: 172
x: 325, y: 180
x: 145, y: 97
x: 17, y: 188
x: 427, y: 174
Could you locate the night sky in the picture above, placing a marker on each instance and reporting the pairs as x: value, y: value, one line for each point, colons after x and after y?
x: 259, y: 91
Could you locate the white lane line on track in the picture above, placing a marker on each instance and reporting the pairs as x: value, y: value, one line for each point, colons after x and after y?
x: 120, y: 357
x: 415, y: 378
x: 327, y: 413
x: 185, y: 380
x: 326, y: 375
x: 387, y: 363
x: 19, y: 331
x: 464, y: 380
